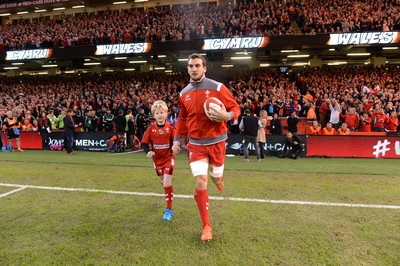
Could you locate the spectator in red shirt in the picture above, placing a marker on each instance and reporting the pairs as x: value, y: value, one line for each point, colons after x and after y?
x: 392, y: 122
x: 379, y: 120
x: 366, y: 122
x: 351, y: 119
x: 324, y: 113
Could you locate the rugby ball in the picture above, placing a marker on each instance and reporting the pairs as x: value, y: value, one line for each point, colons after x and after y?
x: 211, y: 104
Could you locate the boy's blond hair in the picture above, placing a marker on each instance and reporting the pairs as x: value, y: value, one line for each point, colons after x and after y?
x: 159, y: 105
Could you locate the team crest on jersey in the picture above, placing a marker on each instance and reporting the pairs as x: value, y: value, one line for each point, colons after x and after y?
x: 167, y: 129
x: 187, y: 98
x: 207, y: 92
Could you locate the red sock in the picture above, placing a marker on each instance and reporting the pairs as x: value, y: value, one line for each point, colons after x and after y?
x: 201, y: 198
x: 169, y: 196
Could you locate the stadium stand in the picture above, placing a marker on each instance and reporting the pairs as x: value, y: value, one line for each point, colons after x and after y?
x: 268, y: 18
x: 352, y: 87
x: 367, y: 89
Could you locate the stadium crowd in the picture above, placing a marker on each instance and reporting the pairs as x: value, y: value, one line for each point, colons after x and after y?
x: 315, y: 16
x: 157, y: 25
x: 265, y: 18
x: 364, y: 98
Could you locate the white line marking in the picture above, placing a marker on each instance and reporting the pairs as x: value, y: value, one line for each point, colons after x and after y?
x: 12, y: 191
x: 128, y: 152
x: 292, y: 202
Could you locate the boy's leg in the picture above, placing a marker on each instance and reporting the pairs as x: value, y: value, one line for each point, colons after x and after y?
x: 168, y: 189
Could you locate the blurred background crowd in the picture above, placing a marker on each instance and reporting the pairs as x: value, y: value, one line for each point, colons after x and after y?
x: 350, y: 94
x: 264, y: 18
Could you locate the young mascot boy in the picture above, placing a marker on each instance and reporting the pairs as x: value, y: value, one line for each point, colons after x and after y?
x: 160, y: 136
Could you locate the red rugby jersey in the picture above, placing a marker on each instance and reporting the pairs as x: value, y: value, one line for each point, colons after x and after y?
x: 160, y: 139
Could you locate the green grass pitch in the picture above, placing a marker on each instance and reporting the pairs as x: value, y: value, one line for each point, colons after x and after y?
x: 47, y: 224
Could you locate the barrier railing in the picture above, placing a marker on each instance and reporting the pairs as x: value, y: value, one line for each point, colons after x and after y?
x: 373, y: 145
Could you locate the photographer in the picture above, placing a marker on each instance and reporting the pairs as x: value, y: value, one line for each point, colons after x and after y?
x: 292, y: 147
x: 141, y: 123
x: 249, y: 127
x: 292, y: 122
x: 275, y: 126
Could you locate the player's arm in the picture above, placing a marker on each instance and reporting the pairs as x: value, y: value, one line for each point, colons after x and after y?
x: 171, y: 138
x: 230, y: 103
x: 180, y: 128
x: 230, y: 109
x: 145, y: 143
x: 219, y: 115
x: 145, y: 147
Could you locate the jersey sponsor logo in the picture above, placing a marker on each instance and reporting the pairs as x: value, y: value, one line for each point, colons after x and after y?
x: 235, y: 43
x: 160, y: 146
x: 363, y: 38
x: 29, y: 54
x: 126, y: 48
x: 160, y: 131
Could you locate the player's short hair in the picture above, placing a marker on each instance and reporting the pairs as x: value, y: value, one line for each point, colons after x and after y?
x: 199, y: 56
x: 159, y: 105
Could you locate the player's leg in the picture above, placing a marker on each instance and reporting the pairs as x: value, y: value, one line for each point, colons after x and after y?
x: 217, y: 176
x: 199, y: 163
x: 217, y: 161
x: 169, y: 196
x: 165, y: 172
x: 202, y: 201
x: 200, y: 172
